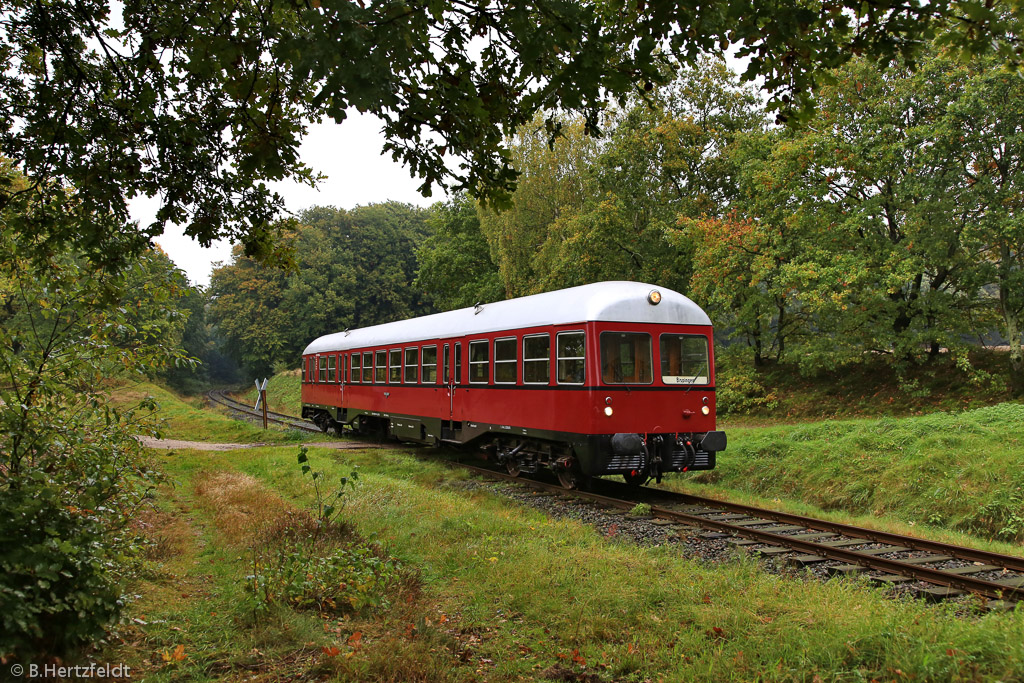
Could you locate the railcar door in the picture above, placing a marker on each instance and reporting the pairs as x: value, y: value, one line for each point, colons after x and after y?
x: 446, y: 377
x: 342, y: 376
x: 456, y: 377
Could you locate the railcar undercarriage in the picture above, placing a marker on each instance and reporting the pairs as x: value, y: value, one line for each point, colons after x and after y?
x: 574, y: 458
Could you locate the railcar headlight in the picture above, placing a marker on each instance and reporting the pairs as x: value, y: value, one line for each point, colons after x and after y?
x: 706, y: 410
x: 654, y: 297
x: 608, y: 411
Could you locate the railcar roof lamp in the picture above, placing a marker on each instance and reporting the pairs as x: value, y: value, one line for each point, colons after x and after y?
x: 654, y: 297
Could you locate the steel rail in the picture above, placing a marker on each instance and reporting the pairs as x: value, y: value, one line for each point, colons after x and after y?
x: 989, y: 589
x: 875, y: 536
x: 287, y: 420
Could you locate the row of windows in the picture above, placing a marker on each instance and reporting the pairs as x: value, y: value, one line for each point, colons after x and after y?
x: 626, y: 358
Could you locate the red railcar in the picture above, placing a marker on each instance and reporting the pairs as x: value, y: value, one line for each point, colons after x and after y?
x: 608, y: 378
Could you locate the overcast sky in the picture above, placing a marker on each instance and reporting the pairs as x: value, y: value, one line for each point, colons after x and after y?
x: 349, y: 154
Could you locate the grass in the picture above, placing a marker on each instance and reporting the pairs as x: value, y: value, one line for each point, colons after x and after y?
x: 872, y: 388
x: 503, y: 593
x: 284, y: 393
x: 193, y: 419
x: 963, y: 472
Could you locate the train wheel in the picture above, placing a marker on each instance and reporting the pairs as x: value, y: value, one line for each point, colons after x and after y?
x: 636, y: 478
x: 513, y: 467
x: 572, y: 478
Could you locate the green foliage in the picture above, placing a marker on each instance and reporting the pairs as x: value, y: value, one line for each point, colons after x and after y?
x: 884, y: 227
x: 739, y: 390
x: 313, y: 561
x: 585, y: 212
x: 327, y: 503
x: 455, y: 266
x: 552, y: 188
x: 71, y: 469
x: 59, y: 581
x: 640, y: 510
x: 350, y: 579
x: 353, y: 269
x: 449, y: 80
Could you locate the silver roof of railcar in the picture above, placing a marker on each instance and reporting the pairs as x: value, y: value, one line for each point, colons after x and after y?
x: 601, y: 301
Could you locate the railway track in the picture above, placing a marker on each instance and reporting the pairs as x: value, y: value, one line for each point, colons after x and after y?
x: 934, y: 570
x: 219, y: 397
x: 942, y: 570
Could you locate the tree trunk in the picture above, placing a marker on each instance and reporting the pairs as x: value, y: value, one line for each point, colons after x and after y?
x: 758, y: 352
x: 780, y: 334
x: 1012, y: 321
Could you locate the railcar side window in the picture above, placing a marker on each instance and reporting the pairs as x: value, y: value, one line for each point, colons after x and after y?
x: 429, y: 364
x: 412, y: 365
x: 537, y: 359
x: 380, y: 368
x: 332, y: 368
x: 395, y: 366
x: 571, y: 357
x: 505, y: 361
x: 322, y: 362
x: 684, y: 359
x: 309, y: 369
x: 458, y: 363
x: 367, y: 367
x: 355, y: 368
x: 479, y: 362
x: 626, y: 358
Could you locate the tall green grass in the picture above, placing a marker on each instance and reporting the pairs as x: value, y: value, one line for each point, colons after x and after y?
x: 192, y: 419
x: 961, y: 471
x: 284, y: 393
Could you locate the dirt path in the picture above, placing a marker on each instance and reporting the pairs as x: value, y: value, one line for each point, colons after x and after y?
x: 150, y: 442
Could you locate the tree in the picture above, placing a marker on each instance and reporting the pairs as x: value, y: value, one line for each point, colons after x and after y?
x: 455, y: 266
x: 354, y: 269
x: 983, y: 136
x: 554, y: 184
x: 247, y: 306
x: 201, y: 104
x: 899, y: 273
x: 72, y: 472
x: 665, y: 158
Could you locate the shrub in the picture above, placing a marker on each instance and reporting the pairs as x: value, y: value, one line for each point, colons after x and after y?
x: 739, y: 388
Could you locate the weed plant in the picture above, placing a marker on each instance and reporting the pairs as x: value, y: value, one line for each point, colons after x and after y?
x: 313, y: 560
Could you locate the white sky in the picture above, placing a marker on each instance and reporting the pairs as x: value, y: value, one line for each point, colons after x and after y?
x: 349, y: 154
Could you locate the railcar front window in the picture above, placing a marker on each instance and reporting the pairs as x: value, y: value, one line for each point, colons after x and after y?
x: 322, y: 362
x: 571, y: 357
x: 626, y: 358
x: 355, y: 369
x: 395, y: 366
x: 332, y: 368
x: 684, y: 359
x: 479, y: 362
x: 367, y: 367
x: 537, y: 359
x: 505, y: 361
x: 429, y: 364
